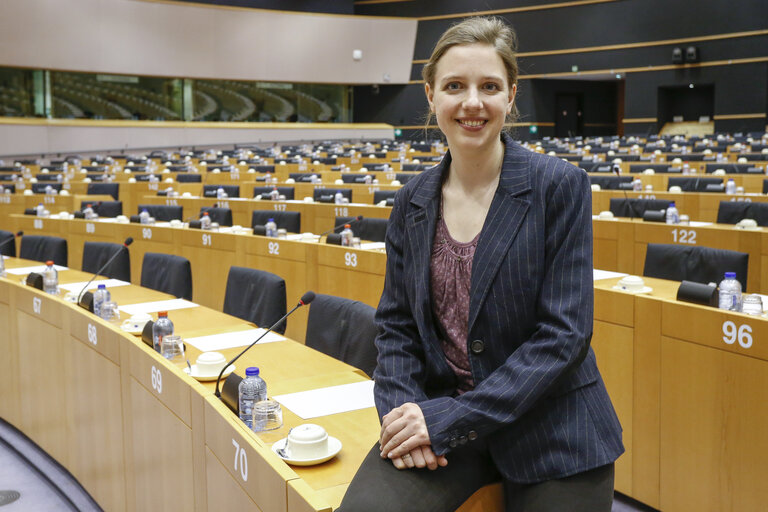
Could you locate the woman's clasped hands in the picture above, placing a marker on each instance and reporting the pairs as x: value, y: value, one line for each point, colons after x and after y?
x: 405, y: 439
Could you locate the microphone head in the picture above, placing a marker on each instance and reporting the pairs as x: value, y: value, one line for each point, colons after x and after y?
x: 359, y: 218
x: 307, y: 298
x: 20, y: 233
x: 128, y: 241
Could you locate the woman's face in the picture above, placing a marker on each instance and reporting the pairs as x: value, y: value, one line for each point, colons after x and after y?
x: 471, y: 96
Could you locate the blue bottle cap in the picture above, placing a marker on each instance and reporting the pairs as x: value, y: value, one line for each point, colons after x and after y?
x: 102, y: 287
x: 251, y: 371
x: 672, y: 204
x: 271, y: 220
x: 730, y: 275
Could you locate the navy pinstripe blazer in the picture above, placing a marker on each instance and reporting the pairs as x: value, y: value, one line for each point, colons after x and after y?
x: 538, y: 398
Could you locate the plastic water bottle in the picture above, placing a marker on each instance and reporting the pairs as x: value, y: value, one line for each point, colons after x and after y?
x: 40, y: 210
x: 220, y: 194
x: 730, y: 186
x: 338, y: 198
x: 50, y: 278
x: 144, y: 216
x: 101, y: 296
x: 274, y: 194
x: 637, y: 185
x: 252, y: 389
x: 205, y: 221
x: 271, y: 228
x: 673, y: 216
x: 88, y: 212
x: 2, y: 266
x: 730, y: 293
x: 346, y: 236
x: 163, y: 327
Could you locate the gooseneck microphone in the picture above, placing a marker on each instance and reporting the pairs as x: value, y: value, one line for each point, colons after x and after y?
x: 334, y: 228
x: 85, y: 300
x: 617, y: 172
x: 305, y: 299
x: 18, y: 234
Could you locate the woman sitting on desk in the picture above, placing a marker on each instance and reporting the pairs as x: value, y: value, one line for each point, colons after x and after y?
x: 485, y: 372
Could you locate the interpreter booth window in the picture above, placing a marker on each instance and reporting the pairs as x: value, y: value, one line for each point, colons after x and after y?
x: 100, y: 96
x: 232, y: 101
x: 17, y: 93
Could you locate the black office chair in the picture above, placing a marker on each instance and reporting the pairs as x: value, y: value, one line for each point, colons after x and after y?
x: 328, y: 195
x: 163, y: 212
x: 10, y: 188
x: 167, y: 273
x: 765, y: 186
x: 383, y: 195
x: 404, y: 178
x: 112, y: 189
x: 344, y: 329
x: 221, y: 215
x: 39, y: 188
x: 231, y: 190
x: 374, y: 230
x: 355, y: 177
x: 731, y: 212
x: 694, y: 184
x: 256, y: 296
x: 610, y: 182
x: 104, y: 208
x: 44, y: 248
x: 699, y: 264
x: 290, y: 221
x: 96, y: 254
x: 635, y: 208
x: 9, y: 248
x: 288, y: 192
x: 189, y: 178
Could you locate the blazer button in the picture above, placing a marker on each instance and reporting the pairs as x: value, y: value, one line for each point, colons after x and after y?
x: 477, y: 346
x: 472, y: 435
x: 453, y: 443
x: 463, y: 440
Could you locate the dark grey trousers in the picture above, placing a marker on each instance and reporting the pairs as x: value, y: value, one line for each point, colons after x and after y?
x: 378, y: 487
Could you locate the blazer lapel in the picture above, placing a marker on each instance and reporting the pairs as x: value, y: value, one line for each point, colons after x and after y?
x: 502, y: 223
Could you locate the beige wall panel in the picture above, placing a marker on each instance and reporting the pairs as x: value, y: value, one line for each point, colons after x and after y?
x: 198, y: 41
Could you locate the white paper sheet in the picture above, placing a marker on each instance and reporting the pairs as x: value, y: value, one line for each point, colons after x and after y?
x: 232, y: 340
x: 22, y: 271
x: 160, y: 305
x: 372, y: 245
x: 109, y: 283
x: 597, y: 275
x: 699, y: 224
x: 332, y: 400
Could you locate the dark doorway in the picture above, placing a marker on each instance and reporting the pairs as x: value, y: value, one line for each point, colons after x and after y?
x: 687, y: 101
x: 569, y: 120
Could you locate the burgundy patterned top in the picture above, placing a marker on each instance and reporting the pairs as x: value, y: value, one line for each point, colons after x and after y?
x: 451, y: 273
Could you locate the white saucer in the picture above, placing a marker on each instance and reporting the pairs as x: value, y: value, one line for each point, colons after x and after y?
x: 334, y: 447
x: 206, y: 378
x: 135, y: 332
x: 644, y: 289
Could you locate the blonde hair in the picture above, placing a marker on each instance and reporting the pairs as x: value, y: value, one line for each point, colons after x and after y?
x: 484, y: 30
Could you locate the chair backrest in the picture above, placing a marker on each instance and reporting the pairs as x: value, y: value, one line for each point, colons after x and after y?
x: 39, y: 188
x: 383, y: 195
x: 731, y: 212
x: 369, y: 228
x: 96, y: 254
x: 231, y: 190
x: 189, y: 178
x: 162, y: 212
x: 255, y: 296
x: 355, y: 177
x: 44, y: 248
x: 286, y: 191
x: 301, y: 177
x: 609, y: 182
x: 167, y: 273
x: 112, y: 189
x: 404, y: 178
x: 221, y: 215
x: 104, y: 208
x: 344, y: 329
x: 693, y: 184
x: 699, y: 264
x: 327, y: 195
x: 9, y: 248
x: 635, y: 208
x: 290, y: 221
x: 765, y: 186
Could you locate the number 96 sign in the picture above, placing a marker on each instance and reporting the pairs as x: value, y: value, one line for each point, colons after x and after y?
x: 733, y: 333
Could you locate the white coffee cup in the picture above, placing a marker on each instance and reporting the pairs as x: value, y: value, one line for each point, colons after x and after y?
x: 136, y: 322
x: 747, y: 224
x: 631, y: 283
x: 606, y: 214
x: 307, y: 441
x: 176, y: 223
x: 210, y: 363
